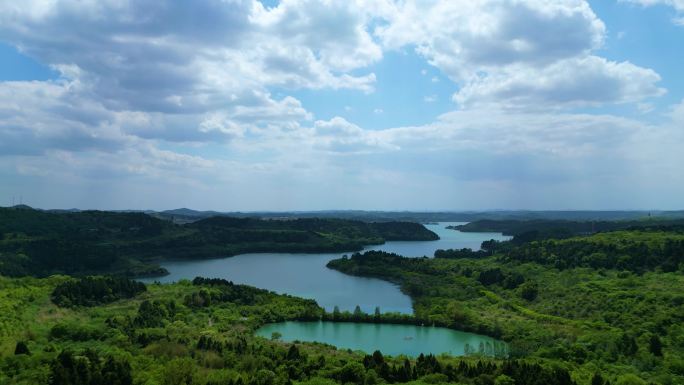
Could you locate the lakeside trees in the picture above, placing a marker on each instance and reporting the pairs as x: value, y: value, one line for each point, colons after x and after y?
x: 157, y: 338
x: 568, y: 319
x: 40, y: 243
x: 578, y: 315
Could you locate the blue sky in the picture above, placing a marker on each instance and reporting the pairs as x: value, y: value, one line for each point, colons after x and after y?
x: 370, y: 104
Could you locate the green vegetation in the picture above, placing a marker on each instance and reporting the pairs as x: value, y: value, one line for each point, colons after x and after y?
x: 539, y: 229
x: 40, y: 243
x: 621, y: 318
x: 624, y: 250
x: 92, y: 291
x: 201, y: 333
x: 598, y: 308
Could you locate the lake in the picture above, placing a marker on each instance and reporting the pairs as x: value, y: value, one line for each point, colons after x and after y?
x: 390, y: 339
x: 305, y: 275
x: 448, y: 239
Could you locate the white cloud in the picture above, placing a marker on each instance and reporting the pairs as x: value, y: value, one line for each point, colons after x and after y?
x: 192, y: 60
x: 430, y: 99
x: 162, y: 93
x: 340, y: 136
x: 677, y: 113
x: 677, y: 5
x: 460, y: 37
x: 645, y: 108
x: 496, y: 51
x: 504, y: 132
x: 589, y: 81
x: 37, y: 116
x: 336, y: 30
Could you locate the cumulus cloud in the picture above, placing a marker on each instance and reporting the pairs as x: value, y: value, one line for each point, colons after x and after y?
x: 203, y: 72
x: 38, y: 116
x: 588, y: 81
x: 495, y: 51
x: 505, y: 132
x: 339, y: 135
x: 200, y: 71
x: 677, y: 5
x: 677, y: 113
x: 460, y: 37
x: 196, y: 95
x: 337, y: 30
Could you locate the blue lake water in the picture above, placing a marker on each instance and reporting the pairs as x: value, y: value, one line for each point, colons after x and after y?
x: 306, y: 275
x: 449, y: 239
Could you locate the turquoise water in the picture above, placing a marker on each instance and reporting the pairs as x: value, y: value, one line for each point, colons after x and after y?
x: 390, y: 339
x: 305, y: 275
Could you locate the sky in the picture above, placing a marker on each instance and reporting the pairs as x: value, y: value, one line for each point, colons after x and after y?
x: 247, y: 105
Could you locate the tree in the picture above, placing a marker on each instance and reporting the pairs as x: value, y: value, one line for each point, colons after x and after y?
x: 88, y: 368
x: 116, y: 372
x: 264, y: 377
x: 352, y: 372
x: 336, y: 313
x: 377, y: 316
x: 504, y: 380
x: 630, y: 379
x: 293, y: 353
x: 655, y: 346
x: 275, y: 336
x: 358, y: 314
x: 529, y: 291
x: 597, y: 379
x: 628, y: 345
x: 21, y: 348
x: 179, y: 371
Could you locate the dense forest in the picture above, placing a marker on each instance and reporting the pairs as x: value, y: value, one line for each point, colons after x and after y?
x: 40, y: 243
x: 540, y: 229
x: 580, y: 307
x: 610, y: 302
x: 201, y: 332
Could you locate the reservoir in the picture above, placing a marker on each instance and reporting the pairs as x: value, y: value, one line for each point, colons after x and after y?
x: 306, y: 275
x: 302, y: 275
x: 409, y: 340
x: 448, y: 239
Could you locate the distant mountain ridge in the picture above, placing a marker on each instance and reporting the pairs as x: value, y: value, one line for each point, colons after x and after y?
x: 437, y: 216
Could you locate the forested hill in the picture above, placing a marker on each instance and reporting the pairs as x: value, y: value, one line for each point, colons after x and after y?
x: 41, y: 243
x: 187, y: 215
x: 608, y: 307
x: 373, y: 232
x: 56, y: 331
x: 529, y: 230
